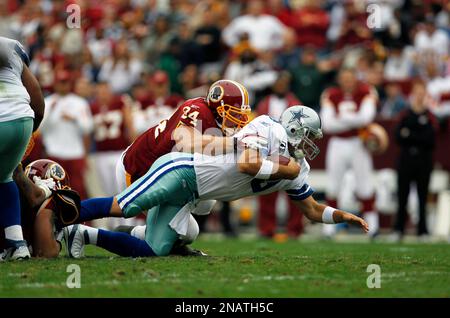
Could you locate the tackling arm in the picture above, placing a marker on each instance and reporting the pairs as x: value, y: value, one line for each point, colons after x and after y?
x: 188, y: 139
x: 251, y: 163
x: 315, y: 212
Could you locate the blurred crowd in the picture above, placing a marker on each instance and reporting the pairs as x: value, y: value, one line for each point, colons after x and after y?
x: 144, y: 57
x: 123, y: 42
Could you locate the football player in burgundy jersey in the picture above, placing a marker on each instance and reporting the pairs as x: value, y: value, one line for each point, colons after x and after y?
x: 226, y: 107
x: 113, y: 132
x: 223, y: 111
x: 48, y: 204
x: 345, y: 111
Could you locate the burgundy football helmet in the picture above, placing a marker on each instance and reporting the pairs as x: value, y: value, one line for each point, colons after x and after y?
x: 45, y: 168
x: 230, y: 104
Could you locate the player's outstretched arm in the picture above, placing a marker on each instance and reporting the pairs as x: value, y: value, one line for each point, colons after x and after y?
x: 317, y: 212
x: 251, y: 163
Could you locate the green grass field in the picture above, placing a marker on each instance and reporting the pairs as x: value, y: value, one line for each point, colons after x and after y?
x: 236, y: 268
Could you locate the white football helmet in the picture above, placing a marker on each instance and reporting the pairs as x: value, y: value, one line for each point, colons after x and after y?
x: 303, y: 126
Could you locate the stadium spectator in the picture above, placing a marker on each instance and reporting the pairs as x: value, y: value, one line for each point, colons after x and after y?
x: 274, y: 105
x: 279, y: 9
x: 65, y: 130
x: 208, y: 38
x: 265, y: 31
x: 349, y: 25
x: 158, y: 105
x: 345, y: 109
x: 394, y: 103
x: 438, y: 89
x: 288, y: 57
x: 415, y: 133
x: 254, y: 73
x: 308, y: 79
x: 121, y: 70
x: 311, y: 24
x: 399, y: 65
x: 430, y: 41
x: 113, y: 132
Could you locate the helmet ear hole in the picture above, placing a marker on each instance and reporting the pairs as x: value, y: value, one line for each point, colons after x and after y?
x: 292, y: 130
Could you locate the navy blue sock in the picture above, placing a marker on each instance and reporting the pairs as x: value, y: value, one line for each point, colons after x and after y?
x: 123, y: 244
x: 96, y: 208
x: 9, y: 198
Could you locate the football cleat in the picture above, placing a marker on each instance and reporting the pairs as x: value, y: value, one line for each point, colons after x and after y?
x: 185, y: 250
x: 74, y: 240
x: 18, y: 250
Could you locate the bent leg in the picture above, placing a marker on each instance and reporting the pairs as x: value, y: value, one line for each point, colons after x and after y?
x: 123, y: 244
x: 14, y: 138
x: 159, y: 235
x: 173, y: 183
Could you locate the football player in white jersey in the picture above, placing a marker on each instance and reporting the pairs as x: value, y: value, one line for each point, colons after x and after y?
x: 21, y: 111
x: 177, y: 178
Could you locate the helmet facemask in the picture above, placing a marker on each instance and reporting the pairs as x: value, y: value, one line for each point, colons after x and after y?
x: 304, y: 146
x: 233, y: 118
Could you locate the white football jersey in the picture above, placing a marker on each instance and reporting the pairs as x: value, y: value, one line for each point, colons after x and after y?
x: 14, y: 98
x: 218, y: 177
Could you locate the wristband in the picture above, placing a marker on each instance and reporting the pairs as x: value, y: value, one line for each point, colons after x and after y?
x: 266, y: 170
x: 327, y: 215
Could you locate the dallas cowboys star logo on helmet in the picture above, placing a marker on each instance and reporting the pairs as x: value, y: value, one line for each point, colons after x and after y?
x: 298, y: 116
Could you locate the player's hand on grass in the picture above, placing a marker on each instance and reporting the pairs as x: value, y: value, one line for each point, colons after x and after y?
x: 353, y: 219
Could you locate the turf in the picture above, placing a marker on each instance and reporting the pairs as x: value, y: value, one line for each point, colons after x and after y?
x: 236, y: 268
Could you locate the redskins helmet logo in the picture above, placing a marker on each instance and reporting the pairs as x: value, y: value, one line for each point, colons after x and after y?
x: 216, y: 94
x: 57, y: 172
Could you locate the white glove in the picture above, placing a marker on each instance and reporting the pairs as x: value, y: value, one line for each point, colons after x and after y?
x: 253, y: 142
x: 45, y: 184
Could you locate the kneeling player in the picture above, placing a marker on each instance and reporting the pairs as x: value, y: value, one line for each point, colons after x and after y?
x: 48, y: 204
x: 179, y: 178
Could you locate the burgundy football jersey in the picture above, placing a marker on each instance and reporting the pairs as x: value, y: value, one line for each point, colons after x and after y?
x: 157, y: 141
x: 348, y: 103
x: 109, y: 126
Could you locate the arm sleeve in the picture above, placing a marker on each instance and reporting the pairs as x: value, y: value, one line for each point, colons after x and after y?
x: 300, y: 192
x: 19, y: 49
x: 330, y: 122
x: 364, y: 116
x: 84, y: 118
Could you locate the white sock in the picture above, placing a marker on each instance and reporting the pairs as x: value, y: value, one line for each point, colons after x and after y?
x: 14, y: 233
x: 139, y: 232
x: 372, y: 220
x: 92, y: 233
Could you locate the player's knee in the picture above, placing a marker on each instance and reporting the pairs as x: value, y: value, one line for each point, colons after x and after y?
x: 162, y: 249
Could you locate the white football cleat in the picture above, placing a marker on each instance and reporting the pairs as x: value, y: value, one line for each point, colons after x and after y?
x: 74, y: 238
x: 19, y: 251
